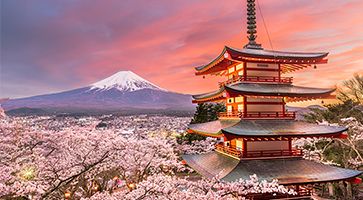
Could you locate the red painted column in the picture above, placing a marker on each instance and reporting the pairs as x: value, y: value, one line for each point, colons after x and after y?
x: 279, y: 72
x: 244, y: 106
x: 244, y: 148
x: 245, y: 71
x: 283, y: 106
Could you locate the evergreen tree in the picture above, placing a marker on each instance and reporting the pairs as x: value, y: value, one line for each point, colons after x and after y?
x: 206, y: 112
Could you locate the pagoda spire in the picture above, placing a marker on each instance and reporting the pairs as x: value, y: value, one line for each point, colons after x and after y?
x: 251, y: 26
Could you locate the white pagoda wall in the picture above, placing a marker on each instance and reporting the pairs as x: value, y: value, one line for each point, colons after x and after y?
x: 264, y: 107
x: 267, y: 145
x: 262, y: 66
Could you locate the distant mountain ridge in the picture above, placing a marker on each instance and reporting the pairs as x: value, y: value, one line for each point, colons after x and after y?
x: 124, y: 90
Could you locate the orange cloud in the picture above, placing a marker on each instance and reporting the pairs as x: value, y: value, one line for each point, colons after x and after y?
x: 80, y: 43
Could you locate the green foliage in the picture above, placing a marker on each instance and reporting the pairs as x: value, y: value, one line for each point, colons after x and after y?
x: 334, y: 112
x: 189, y: 138
x: 206, y: 112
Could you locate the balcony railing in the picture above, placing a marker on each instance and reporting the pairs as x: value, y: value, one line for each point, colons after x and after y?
x: 233, y: 114
x: 229, y: 150
x: 257, y: 154
x: 274, y: 153
x: 258, y: 115
x: 259, y: 79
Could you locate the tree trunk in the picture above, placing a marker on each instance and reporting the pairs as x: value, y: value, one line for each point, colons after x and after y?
x: 330, y: 189
x: 349, y: 190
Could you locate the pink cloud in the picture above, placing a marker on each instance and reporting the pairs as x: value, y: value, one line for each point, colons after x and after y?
x: 164, y: 41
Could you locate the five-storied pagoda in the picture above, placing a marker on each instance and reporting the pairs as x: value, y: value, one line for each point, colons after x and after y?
x: 257, y: 130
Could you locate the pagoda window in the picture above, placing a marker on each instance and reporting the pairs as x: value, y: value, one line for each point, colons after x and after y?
x: 239, y: 67
x: 239, y: 145
x: 231, y: 100
x: 229, y: 108
x: 240, y: 107
x: 238, y: 99
x: 231, y: 70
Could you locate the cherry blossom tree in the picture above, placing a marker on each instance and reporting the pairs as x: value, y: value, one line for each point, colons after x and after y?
x: 78, y: 160
x: 197, y: 146
x: 2, y: 113
x: 75, y: 161
x: 171, y: 187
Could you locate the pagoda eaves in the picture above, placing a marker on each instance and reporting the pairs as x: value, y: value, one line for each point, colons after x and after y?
x: 286, y: 170
x: 260, y: 89
x: 265, y: 128
x: 289, y: 61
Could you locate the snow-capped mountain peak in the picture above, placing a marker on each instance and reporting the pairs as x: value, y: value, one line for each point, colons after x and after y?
x: 126, y: 81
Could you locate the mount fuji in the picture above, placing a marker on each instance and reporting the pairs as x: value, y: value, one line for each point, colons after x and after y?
x: 123, y: 90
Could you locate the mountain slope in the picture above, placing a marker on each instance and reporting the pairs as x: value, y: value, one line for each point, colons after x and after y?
x: 123, y: 90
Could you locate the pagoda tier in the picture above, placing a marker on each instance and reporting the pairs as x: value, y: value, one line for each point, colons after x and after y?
x: 260, y: 139
x: 265, y: 128
x: 262, y: 89
x: 271, y: 90
x: 287, y: 61
x: 289, y: 171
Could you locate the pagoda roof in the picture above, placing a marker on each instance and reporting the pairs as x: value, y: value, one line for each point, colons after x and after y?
x: 264, y: 128
x: 286, y: 170
x: 213, y: 128
x: 276, y: 54
x: 286, y: 90
x: 209, y: 95
x: 265, y: 89
x: 278, y: 127
x: 230, y: 56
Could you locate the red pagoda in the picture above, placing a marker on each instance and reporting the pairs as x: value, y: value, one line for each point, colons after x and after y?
x: 257, y: 130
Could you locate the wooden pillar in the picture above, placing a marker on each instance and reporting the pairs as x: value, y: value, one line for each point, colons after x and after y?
x: 244, y: 148
x: 224, y: 138
x: 244, y: 70
x: 283, y: 106
x: 279, y: 66
x: 244, y: 106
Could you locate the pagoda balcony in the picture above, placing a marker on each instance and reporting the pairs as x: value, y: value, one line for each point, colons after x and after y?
x: 258, y: 154
x: 258, y: 79
x: 258, y: 115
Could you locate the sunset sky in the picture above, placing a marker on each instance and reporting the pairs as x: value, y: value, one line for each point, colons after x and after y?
x: 56, y: 45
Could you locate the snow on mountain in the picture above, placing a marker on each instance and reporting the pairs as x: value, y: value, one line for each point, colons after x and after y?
x: 125, y: 81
